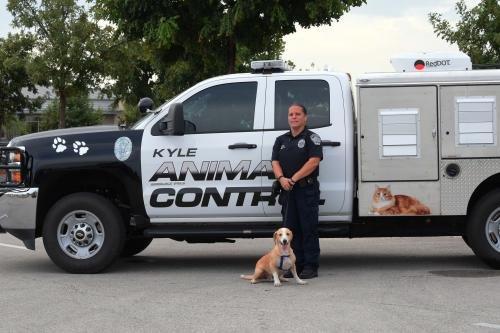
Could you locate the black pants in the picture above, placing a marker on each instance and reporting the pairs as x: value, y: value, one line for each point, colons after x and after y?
x: 300, y: 214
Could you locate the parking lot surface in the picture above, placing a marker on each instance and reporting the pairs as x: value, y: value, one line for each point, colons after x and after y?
x: 366, y: 285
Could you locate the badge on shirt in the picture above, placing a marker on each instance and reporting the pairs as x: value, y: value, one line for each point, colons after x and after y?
x: 301, y: 143
x: 316, y: 139
x: 282, y: 147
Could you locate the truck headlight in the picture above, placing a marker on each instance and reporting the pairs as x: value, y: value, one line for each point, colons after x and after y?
x: 11, y: 167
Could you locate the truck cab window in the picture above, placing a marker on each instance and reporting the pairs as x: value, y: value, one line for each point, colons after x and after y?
x: 222, y: 108
x: 313, y: 94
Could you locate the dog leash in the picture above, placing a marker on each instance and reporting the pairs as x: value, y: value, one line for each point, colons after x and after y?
x: 287, y: 202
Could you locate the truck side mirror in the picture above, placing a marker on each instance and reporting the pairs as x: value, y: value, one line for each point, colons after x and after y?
x: 174, y: 121
x: 145, y: 104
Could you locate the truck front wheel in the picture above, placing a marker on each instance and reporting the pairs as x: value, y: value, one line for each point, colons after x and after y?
x: 483, y: 229
x: 83, y: 233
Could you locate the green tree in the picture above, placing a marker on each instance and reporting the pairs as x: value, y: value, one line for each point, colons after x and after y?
x: 69, y: 45
x: 14, y: 51
x: 130, y: 115
x: 477, y: 33
x: 15, y: 126
x: 131, y: 72
x: 79, y: 113
x: 188, y: 41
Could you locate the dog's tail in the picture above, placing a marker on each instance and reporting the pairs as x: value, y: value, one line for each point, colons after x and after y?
x: 246, y: 277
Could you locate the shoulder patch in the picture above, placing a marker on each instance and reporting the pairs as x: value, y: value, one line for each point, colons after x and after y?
x: 316, y: 139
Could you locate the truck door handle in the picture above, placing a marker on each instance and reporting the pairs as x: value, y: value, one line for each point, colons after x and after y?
x: 325, y: 143
x: 242, y: 146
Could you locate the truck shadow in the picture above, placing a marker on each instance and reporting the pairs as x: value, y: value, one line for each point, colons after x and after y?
x: 443, y: 265
x: 448, y: 265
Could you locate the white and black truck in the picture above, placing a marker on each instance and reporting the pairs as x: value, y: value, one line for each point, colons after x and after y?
x: 418, y: 155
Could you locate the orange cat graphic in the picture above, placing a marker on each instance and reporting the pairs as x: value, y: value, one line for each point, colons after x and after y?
x: 386, y: 203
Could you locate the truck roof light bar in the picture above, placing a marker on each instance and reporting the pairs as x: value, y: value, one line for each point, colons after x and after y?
x: 269, y: 66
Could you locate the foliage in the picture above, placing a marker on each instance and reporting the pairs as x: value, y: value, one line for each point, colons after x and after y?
x: 14, y: 77
x: 14, y: 126
x: 69, y: 46
x: 130, y: 114
x: 477, y: 33
x: 79, y: 113
x: 131, y: 71
x: 188, y: 41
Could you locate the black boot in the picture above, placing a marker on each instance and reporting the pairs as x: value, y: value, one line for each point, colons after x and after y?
x: 308, y: 273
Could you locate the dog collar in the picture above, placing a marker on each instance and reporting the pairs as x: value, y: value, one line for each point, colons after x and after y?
x: 282, y: 259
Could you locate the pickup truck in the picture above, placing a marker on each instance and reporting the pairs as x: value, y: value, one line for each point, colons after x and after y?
x: 415, y: 154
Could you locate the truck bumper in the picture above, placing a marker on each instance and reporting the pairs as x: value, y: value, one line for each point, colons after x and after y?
x: 18, y: 214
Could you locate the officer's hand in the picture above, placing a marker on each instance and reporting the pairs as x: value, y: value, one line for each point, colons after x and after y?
x: 285, y: 184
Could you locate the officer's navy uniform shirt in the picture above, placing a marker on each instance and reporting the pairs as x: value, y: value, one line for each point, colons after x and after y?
x: 294, y: 152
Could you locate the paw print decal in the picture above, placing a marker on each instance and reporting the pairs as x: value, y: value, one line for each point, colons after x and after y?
x: 59, y: 145
x: 80, y: 147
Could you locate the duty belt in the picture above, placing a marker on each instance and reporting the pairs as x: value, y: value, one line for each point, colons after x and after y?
x: 307, y: 181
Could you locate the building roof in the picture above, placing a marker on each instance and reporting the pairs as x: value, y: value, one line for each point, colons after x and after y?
x: 97, y: 98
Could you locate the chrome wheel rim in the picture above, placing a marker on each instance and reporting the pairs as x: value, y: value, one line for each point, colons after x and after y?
x: 80, y: 234
x: 492, y: 229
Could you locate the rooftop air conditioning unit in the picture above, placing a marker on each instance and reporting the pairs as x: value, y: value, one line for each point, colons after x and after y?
x: 431, y: 62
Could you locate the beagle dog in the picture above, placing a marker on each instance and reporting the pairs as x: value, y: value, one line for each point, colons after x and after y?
x: 276, y: 262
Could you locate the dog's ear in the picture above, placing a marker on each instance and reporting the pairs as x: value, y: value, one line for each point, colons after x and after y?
x: 275, y: 237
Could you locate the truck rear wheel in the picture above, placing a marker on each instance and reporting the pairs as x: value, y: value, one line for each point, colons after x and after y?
x: 135, y: 245
x: 83, y: 233
x: 483, y: 229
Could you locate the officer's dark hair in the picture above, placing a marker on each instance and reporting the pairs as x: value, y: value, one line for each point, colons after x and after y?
x: 300, y: 106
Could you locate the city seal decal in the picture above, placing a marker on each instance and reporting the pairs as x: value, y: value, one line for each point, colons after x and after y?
x: 123, y: 148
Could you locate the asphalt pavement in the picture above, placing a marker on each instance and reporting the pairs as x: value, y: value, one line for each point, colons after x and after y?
x: 365, y: 285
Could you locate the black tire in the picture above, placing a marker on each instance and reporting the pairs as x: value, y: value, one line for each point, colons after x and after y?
x: 73, y: 219
x: 485, y: 245
x: 135, y: 245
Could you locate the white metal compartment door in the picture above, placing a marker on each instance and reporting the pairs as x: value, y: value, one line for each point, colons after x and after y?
x: 398, y: 130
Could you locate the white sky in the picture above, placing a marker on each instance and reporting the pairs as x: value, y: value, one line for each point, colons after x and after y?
x: 363, y: 40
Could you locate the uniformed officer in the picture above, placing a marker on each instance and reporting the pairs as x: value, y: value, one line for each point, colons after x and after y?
x: 295, y: 160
